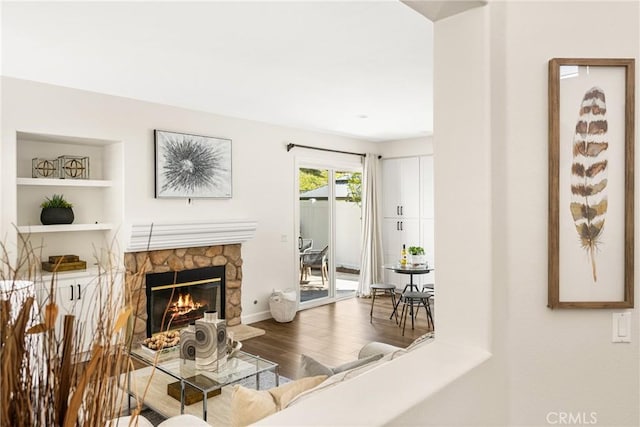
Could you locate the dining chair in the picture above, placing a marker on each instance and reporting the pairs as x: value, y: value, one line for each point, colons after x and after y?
x: 382, y: 289
x: 315, y: 259
x: 411, y: 299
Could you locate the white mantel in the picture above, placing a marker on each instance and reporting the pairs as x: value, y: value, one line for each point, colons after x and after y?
x: 170, y: 235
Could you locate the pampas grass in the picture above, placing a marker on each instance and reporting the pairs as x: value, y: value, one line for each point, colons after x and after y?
x: 45, y: 379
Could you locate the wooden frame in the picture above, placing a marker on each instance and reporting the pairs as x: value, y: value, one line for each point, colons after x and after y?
x: 191, y: 166
x: 591, y: 162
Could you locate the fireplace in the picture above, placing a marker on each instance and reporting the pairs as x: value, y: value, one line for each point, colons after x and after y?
x: 139, y: 264
x: 177, y: 298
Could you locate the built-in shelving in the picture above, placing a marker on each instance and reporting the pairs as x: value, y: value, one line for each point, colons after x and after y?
x: 46, y: 182
x: 32, y: 229
x: 97, y: 201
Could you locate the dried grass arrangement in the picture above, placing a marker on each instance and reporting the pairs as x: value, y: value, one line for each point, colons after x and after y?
x: 44, y: 379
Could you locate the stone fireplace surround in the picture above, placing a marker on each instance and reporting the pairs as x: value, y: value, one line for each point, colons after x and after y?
x: 161, y: 261
x: 158, y: 248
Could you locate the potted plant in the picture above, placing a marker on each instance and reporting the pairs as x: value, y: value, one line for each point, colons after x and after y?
x: 56, y: 210
x: 417, y: 256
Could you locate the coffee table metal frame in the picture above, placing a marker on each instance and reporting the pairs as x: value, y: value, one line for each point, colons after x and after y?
x: 186, y: 372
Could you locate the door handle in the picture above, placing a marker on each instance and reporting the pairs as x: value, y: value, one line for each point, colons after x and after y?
x: 71, y: 292
x: 401, y: 228
x: 397, y: 210
x: 402, y: 210
x: 79, y: 292
x: 299, y: 243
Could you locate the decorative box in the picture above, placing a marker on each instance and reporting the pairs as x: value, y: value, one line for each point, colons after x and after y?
x: 73, y: 167
x: 44, y: 168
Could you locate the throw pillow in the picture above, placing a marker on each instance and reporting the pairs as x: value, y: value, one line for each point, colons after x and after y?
x: 421, y: 340
x: 283, y: 394
x: 356, y: 363
x: 249, y: 405
x: 310, y: 367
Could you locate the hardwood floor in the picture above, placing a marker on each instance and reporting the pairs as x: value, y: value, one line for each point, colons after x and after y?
x: 332, y: 334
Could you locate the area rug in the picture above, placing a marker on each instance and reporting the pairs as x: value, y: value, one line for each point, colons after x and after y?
x: 244, y: 332
x: 218, y: 406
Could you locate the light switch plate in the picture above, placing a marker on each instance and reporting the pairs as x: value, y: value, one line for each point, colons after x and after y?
x: 621, y: 327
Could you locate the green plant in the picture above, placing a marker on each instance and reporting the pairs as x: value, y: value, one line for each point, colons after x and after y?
x: 416, y: 250
x: 56, y: 201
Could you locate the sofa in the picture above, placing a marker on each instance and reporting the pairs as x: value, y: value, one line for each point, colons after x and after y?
x: 248, y: 406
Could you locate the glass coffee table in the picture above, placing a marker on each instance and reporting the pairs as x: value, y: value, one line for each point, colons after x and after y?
x: 239, y: 367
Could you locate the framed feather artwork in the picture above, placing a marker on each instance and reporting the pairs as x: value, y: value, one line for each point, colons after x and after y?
x: 591, y: 195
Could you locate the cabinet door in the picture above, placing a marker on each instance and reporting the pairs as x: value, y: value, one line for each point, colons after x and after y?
x: 395, y: 233
x: 426, y: 182
x: 76, y: 297
x: 401, y: 188
x: 410, y: 187
x: 427, y: 226
x: 391, y: 198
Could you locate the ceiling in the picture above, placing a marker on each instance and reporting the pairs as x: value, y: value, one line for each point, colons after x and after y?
x: 360, y: 69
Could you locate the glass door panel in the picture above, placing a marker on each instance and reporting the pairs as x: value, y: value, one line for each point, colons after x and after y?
x: 348, y: 217
x: 313, y: 243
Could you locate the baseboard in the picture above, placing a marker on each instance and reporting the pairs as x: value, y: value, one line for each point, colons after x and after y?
x: 256, y: 317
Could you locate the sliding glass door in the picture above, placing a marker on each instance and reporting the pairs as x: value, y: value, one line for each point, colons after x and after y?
x: 314, y: 237
x: 348, y: 225
x: 329, y: 233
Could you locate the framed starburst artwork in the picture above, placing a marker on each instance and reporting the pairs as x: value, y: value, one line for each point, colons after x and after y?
x: 192, y: 166
x: 591, y: 195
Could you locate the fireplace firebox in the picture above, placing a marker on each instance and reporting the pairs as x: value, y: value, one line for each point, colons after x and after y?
x: 177, y: 298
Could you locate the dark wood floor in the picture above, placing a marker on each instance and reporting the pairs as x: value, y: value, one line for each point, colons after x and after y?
x: 332, y: 334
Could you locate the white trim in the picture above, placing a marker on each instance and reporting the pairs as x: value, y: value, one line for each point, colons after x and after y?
x: 256, y: 317
x: 170, y: 235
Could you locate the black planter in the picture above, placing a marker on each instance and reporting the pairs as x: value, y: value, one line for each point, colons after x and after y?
x: 51, y: 216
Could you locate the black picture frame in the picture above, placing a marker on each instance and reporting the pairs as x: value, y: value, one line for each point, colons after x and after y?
x: 192, y: 166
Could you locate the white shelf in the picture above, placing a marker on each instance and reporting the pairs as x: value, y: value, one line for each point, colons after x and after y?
x: 32, y: 229
x: 48, y: 182
x: 91, y: 271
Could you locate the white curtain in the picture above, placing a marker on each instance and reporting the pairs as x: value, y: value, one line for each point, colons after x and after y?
x: 371, y: 261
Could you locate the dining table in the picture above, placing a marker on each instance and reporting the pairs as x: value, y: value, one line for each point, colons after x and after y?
x: 411, y: 270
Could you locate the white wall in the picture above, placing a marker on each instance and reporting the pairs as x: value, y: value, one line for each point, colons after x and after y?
x: 263, y: 171
x: 552, y: 354
x: 406, y: 147
x: 544, y: 362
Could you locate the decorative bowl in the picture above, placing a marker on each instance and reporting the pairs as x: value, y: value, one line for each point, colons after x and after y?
x: 233, y: 347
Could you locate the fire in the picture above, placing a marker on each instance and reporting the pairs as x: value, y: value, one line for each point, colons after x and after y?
x: 184, y: 305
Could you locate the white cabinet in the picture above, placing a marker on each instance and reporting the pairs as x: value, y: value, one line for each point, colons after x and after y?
x: 426, y: 187
x: 407, y: 209
x: 77, y: 295
x: 401, y: 188
x: 395, y: 233
x: 97, y: 201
